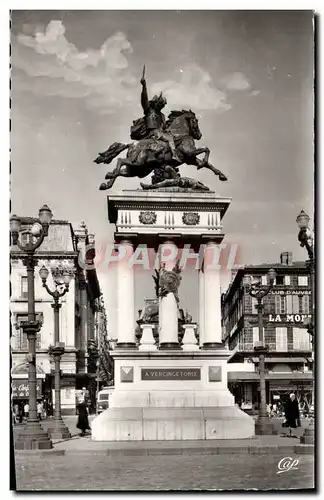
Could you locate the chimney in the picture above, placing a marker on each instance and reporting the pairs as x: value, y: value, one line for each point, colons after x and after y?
x: 286, y: 258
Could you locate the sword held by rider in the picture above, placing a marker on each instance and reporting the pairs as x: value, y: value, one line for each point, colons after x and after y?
x: 155, y: 119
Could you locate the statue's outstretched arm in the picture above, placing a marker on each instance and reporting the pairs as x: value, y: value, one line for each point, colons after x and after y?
x: 144, y: 96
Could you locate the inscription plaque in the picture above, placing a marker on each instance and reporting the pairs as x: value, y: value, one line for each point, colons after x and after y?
x: 171, y: 374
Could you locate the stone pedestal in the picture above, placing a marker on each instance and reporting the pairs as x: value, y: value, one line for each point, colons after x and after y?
x: 171, y: 395
x: 175, y: 392
x: 189, y: 341
x: 147, y: 341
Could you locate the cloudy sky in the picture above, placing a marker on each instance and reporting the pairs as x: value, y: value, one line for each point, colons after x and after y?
x: 247, y: 75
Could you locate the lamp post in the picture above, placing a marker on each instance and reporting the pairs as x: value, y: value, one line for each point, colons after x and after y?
x: 62, y: 277
x: 32, y: 436
x: 306, y: 239
x: 263, y: 425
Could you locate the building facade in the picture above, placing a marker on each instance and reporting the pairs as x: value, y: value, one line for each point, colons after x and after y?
x: 77, y: 315
x: 286, y: 314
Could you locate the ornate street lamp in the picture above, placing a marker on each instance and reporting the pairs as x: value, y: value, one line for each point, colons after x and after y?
x: 306, y: 239
x: 62, y: 277
x: 32, y: 436
x: 255, y: 289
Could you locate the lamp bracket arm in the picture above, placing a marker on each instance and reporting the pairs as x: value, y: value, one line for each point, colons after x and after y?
x: 48, y: 289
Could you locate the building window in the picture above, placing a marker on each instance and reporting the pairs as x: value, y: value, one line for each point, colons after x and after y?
x: 20, y: 340
x: 301, y: 339
x: 281, y: 339
x: 280, y: 304
x: 255, y: 331
x: 279, y: 280
x: 254, y: 303
x: 24, y: 287
x: 264, y: 280
x: 287, y: 280
x: 302, y: 280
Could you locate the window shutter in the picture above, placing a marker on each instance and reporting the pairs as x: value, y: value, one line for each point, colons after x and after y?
x: 289, y: 304
x: 295, y: 304
x: 305, y: 304
x: 277, y: 304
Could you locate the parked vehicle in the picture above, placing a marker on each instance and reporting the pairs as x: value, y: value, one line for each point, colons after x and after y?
x: 103, y: 399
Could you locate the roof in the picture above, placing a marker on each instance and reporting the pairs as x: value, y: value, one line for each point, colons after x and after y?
x: 258, y: 268
x: 276, y: 265
x: 32, y: 220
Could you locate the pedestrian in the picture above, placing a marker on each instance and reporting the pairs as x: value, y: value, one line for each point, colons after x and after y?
x: 16, y: 414
x: 83, y: 422
x: 26, y: 411
x: 40, y: 410
x: 292, y: 418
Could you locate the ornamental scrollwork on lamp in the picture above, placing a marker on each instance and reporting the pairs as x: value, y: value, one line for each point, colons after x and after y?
x: 148, y: 217
x: 190, y: 218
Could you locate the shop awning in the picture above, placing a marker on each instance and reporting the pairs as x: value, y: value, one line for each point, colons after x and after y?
x: 282, y: 360
x: 252, y: 376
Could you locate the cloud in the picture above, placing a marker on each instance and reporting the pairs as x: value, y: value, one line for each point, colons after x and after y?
x: 236, y: 81
x: 192, y: 89
x: 47, y: 64
x: 255, y: 92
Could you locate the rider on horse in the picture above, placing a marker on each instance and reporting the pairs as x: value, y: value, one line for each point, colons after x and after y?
x: 155, y: 119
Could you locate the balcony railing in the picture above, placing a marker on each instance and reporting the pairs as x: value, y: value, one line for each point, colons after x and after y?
x: 276, y: 347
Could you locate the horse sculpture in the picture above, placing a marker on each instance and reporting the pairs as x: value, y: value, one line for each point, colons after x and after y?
x: 147, y: 155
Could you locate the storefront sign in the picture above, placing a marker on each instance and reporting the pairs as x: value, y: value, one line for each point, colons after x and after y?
x: 171, y: 374
x: 290, y: 292
x: 20, y: 388
x: 288, y: 318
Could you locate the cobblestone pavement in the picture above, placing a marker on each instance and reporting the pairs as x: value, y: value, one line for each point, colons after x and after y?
x: 91, y: 472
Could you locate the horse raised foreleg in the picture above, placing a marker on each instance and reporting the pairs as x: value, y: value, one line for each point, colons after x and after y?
x: 201, y: 164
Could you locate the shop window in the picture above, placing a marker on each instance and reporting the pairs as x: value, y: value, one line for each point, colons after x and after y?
x: 264, y: 280
x: 302, y: 280
x: 287, y: 280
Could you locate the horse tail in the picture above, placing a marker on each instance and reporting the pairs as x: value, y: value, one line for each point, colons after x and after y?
x: 114, y: 150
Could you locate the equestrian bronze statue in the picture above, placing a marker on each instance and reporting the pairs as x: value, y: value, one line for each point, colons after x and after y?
x: 162, y: 146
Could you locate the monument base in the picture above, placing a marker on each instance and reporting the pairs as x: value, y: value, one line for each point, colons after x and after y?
x: 171, y: 395
x: 172, y: 424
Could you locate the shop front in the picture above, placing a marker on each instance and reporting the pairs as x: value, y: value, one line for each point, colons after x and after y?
x: 246, y: 388
x: 20, y: 392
